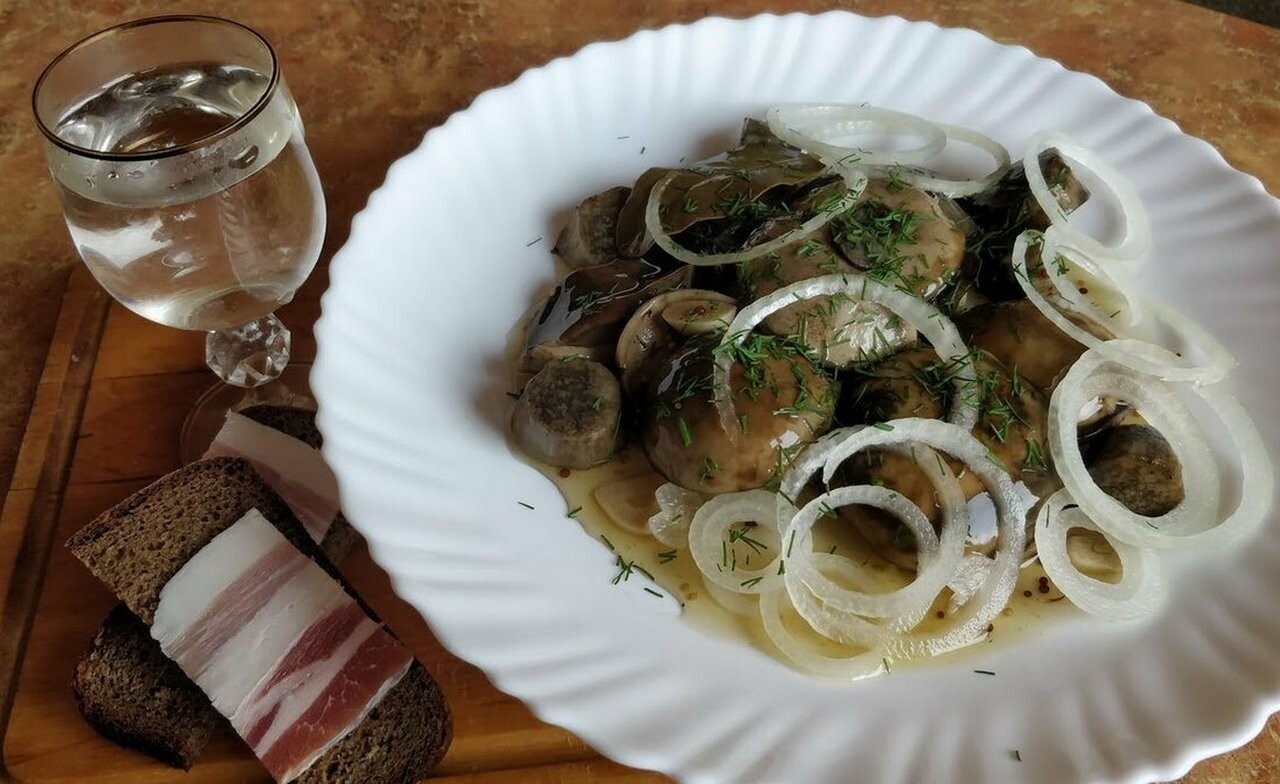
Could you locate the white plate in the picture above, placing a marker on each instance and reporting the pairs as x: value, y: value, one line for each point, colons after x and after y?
x: 410, y: 378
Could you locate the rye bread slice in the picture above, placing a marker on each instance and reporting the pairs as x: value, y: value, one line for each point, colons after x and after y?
x: 138, y: 545
x: 133, y: 694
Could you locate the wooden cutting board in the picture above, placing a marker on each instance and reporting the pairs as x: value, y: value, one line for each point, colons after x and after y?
x: 135, y: 382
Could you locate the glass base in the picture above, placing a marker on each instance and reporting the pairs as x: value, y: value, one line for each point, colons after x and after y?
x: 292, y: 388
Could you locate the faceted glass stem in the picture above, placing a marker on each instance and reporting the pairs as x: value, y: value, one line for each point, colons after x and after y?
x: 249, y: 355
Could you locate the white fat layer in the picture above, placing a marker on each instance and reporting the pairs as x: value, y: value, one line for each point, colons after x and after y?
x: 292, y: 468
x: 253, y: 651
x: 189, y: 593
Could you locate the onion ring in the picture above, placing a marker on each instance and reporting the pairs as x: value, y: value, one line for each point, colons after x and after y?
x: 969, y: 624
x: 710, y: 548
x: 955, y: 188
x: 861, y: 665
x: 1137, y: 239
x: 845, y: 118
x: 1194, y: 522
x: 855, y: 181
x: 1168, y: 366
x: 928, y: 320
x: 1140, y: 589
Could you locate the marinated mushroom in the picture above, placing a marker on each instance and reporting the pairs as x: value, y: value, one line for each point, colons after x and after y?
x: 632, y: 237
x: 840, y: 331
x: 1004, y: 212
x: 900, y: 235
x: 781, y: 399
x: 1135, y: 465
x: 755, y: 131
x: 569, y: 414
x: 1012, y: 423
x: 1018, y: 334
x: 590, y: 307
x: 535, y: 358
x: 590, y: 236
x: 661, y: 325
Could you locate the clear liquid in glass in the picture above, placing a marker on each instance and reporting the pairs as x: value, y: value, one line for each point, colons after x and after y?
x: 206, y: 245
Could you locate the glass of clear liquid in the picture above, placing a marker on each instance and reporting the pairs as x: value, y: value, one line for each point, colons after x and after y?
x: 187, y: 186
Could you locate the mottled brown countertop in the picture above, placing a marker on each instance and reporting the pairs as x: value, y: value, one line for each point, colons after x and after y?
x: 372, y: 77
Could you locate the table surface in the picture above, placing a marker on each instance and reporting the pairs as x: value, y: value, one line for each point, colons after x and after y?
x: 370, y: 78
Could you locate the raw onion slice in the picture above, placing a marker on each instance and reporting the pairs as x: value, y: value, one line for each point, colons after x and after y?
x: 1196, y: 521
x: 1092, y: 377
x: 843, y: 627
x: 710, y: 545
x: 1164, y: 365
x: 970, y: 622
x: 676, y: 508
x: 905, y: 606
x: 805, y: 125
x: 1140, y: 589
x: 1137, y: 238
x: 804, y: 655
x: 628, y: 502
x: 746, y: 605
x: 969, y: 577
x: 1114, y: 282
x: 939, y: 556
x: 928, y: 320
x: 855, y: 181
x: 959, y: 188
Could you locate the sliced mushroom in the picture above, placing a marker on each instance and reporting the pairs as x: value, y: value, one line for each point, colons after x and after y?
x: 569, y: 414
x: 755, y: 131
x: 901, y: 236
x: 840, y: 331
x: 961, y: 297
x: 660, y: 325
x: 722, y: 214
x: 783, y: 401
x: 535, y: 358
x: 1135, y: 465
x: 590, y: 306
x: 708, y: 312
x: 590, y: 237
x: 632, y: 237
x: 725, y: 196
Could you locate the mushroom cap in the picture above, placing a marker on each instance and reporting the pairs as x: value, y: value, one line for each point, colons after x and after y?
x: 783, y: 401
x: 660, y: 325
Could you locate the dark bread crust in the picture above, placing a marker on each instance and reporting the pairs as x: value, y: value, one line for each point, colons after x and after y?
x: 130, y: 692
x: 138, y: 545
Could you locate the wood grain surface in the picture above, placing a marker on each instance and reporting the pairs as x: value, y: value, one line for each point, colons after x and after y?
x: 370, y: 78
